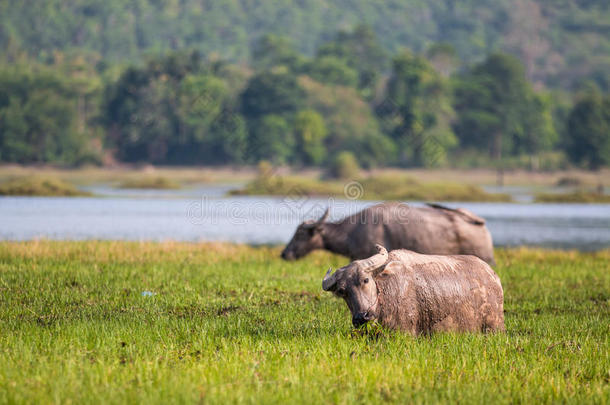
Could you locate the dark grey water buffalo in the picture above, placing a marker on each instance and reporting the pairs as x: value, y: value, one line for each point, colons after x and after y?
x: 434, y: 229
x: 421, y: 294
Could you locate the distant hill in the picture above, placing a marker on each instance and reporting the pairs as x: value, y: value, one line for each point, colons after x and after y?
x: 561, y: 42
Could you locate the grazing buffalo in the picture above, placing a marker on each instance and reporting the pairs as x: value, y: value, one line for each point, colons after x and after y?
x: 421, y: 294
x: 434, y: 229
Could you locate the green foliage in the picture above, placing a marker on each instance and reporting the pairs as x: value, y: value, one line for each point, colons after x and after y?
x: 175, y: 110
x: 394, y: 187
x: 180, y: 109
x: 38, y: 118
x: 344, y: 166
x: 499, y: 113
x: 267, y: 183
x: 236, y: 324
x: 271, y: 93
x: 332, y: 70
x: 417, y: 112
x: 229, y: 139
x: 143, y: 121
x: 79, y: 101
x: 210, y: 131
x: 405, y: 188
x: 310, y: 132
x: 350, y: 122
x: 200, y: 102
x: 539, y: 134
x: 588, y: 132
x: 359, y: 50
x: 271, y: 51
x: 271, y: 138
x: 560, y: 42
x: 42, y: 186
x: 443, y: 57
x: 578, y: 197
x: 150, y: 182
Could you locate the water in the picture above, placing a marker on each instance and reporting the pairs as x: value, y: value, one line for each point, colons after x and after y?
x: 204, y: 214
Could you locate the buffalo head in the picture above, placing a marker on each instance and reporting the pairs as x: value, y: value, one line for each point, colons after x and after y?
x: 355, y: 283
x: 307, y: 237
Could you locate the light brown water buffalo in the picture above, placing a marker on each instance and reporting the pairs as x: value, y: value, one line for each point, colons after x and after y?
x: 421, y: 294
x: 434, y: 229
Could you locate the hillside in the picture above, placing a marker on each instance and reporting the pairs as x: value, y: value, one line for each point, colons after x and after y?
x: 560, y: 42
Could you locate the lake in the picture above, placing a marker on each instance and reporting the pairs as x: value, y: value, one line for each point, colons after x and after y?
x: 206, y: 214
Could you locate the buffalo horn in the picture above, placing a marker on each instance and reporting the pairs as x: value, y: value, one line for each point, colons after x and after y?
x: 374, y: 262
x: 312, y: 223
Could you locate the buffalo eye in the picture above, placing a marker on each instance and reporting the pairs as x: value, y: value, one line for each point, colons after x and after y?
x: 366, y: 280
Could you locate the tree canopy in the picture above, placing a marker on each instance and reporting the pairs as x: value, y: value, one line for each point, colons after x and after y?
x: 588, y: 132
x: 498, y: 109
x: 409, y: 109
x: 559, y: 42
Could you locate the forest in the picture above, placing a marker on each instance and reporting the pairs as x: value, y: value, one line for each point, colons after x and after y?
x: 406, y: 84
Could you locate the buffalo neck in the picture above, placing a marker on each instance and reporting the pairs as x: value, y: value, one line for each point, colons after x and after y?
x: 334, y: 239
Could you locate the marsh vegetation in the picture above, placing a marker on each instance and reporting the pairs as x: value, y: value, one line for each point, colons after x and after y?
x: 40, y: 186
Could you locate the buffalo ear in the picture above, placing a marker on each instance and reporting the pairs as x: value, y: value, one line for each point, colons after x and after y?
x: 308, y: 225
x: 390, y: 269
x: 320, y: 228
x: 329, y: 283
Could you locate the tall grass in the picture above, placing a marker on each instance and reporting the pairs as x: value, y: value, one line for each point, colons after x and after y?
x: 234, y: 324
x: 40, y: 186
x: 151, y: 182
x: 200, y: 175
x: 573, y: 197
x: 378, y: 187
x: 119, y: 175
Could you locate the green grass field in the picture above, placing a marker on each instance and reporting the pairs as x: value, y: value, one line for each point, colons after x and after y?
x: 234, y: 324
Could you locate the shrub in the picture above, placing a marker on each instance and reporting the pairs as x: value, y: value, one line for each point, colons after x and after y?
x: 157, y: 183
x: 344, y: 166
x: 40, y: 186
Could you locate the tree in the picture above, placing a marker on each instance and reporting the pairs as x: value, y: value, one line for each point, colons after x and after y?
x: 38, y: 119
x: 588, y: 132
x: 499, y: 112
x: 360, y: 51
x: 271, y: 93
x: 560, y: 42
x: 200, y: 102
x: 143, y: 120
x: 538, y: 133
x: 417, y: 112
x: 350, y: 122
x: 344, y: 166
x: 175, y: 110
x: 310, y: 132
x: 443, y: 57
x: 332, y: 70
x: 271, y: 50
x: 211, y: 132
x: 524, y: 37
x: 230, y: 138
x: 271, y: 139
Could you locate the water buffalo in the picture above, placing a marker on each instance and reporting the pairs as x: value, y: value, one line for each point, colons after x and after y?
x: 421, y: 294
x: 434, y: 229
